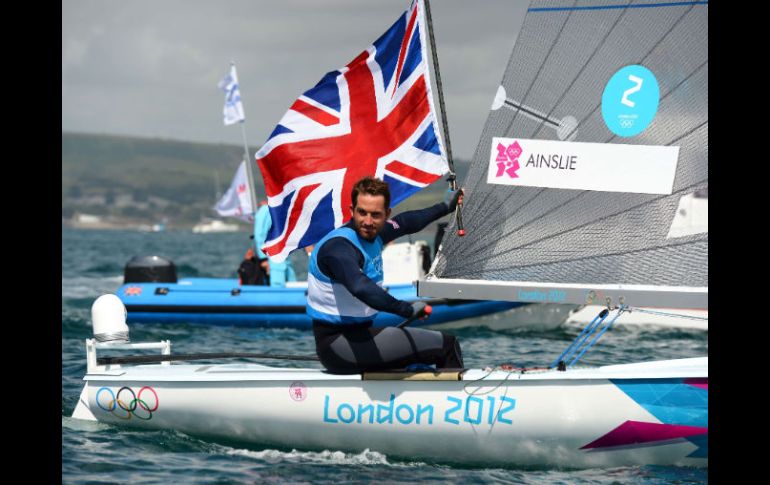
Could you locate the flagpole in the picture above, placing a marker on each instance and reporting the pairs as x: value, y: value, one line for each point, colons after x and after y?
x: 445, y: 124
x: 249, y: 174
x: 252, y: 190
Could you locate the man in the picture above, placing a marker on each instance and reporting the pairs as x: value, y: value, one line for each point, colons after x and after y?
x: 250, y: 272
x: 345, y: 292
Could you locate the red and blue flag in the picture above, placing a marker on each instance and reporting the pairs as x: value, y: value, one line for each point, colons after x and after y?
x: 375, y: 116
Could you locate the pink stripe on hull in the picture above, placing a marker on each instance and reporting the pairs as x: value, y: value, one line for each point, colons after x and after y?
x: 632, y: 432
x: 702, y: 383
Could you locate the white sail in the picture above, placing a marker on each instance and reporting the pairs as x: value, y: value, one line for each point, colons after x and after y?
x: 583, y: 186
x: 236, y: 202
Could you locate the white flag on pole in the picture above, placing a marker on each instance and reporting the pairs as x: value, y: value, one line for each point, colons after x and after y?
x: 237, y: 202
x: 233, y: 107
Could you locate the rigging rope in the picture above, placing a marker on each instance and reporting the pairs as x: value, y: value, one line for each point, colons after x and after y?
x: 606, y: 327
x: 665, y: 314
x: 598, y: 319
x: 589, y: 329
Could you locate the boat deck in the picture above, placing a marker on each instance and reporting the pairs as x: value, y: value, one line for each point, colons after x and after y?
x: 685, y: 368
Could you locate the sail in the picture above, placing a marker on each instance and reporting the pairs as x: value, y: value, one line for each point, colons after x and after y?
x: 590, y: 180
x: 236, y: 202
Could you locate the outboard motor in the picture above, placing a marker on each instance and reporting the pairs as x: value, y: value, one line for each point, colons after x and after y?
x: 149, y: 269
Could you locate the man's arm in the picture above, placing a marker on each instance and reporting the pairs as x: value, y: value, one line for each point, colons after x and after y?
x: 342, y: 262
x: 261, y: 228
x: 412, y: 221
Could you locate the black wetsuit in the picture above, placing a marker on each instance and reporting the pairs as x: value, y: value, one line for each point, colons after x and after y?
x: 354, y: 348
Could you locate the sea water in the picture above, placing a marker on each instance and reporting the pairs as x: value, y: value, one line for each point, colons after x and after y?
x: 92, y: 264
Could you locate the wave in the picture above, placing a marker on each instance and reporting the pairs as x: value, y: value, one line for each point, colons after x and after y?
x: 329, y: 457
x: 89, y: 286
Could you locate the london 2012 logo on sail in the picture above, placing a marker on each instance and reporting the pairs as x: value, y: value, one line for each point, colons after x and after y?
x: 608, y: 167
x: 508, y: 159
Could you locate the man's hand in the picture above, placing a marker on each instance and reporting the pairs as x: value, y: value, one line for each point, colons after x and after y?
x: 421, y: 310
x: 457, y: 198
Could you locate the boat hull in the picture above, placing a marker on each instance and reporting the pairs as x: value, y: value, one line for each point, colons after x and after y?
x: 225, y: 302
x: 618, y: 415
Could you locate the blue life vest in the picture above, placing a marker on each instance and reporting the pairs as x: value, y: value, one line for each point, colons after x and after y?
x: 330, y: 301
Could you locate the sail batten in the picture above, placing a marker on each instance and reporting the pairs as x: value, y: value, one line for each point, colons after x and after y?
x: 555, y: 88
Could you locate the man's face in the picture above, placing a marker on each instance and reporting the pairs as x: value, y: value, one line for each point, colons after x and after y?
x: 369, y: 215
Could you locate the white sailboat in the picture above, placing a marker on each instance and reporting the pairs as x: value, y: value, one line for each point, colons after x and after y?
x: 590, y: 187
x: 528, y: 243
x: 236, y: 203
x: 581, y: 418
x: 214, y: 225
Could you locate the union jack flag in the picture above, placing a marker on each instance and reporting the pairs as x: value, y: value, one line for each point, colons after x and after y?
x: 375, y: 116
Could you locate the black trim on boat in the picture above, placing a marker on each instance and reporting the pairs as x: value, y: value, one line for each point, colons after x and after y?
x: 283, y: 309
x: 214, y: 309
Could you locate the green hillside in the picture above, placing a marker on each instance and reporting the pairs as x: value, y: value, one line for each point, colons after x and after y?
x: 170, y: 167
x: 145, y: 180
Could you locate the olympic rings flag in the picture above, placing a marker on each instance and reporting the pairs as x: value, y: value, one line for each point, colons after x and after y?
x: 127, y: 403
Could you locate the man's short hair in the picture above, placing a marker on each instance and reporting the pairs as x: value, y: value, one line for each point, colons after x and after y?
x: 372, y: 186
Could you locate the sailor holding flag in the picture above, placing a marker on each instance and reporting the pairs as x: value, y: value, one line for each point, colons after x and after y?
x: 345, y: 291
x: 366, y: 136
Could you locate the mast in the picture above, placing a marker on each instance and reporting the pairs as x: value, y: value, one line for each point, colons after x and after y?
x: 444, y: 122
x: 217, y: 190
x: 249, y: 173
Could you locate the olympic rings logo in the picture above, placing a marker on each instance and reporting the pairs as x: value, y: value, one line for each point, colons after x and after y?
x: 127, y: 403
x: 626, y: 123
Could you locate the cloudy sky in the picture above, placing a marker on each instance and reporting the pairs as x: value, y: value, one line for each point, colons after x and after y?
x: 150, y: 68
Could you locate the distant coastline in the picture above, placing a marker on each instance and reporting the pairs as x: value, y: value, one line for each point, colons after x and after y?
x: 120, y: 182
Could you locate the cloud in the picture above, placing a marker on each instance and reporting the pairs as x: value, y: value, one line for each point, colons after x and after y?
x: 150, y: 68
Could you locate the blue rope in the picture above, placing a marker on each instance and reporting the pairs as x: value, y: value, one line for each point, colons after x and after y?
x: 606, y: 327
x: 586, y: 331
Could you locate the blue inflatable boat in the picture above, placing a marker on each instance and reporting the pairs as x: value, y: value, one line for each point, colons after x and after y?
x: 219, y: 301
x: 152, y: 294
